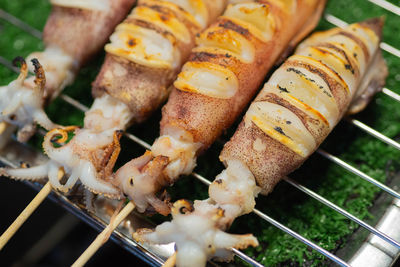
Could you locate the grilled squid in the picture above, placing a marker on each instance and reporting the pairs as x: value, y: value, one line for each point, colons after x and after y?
x: 331, y: 73
x: 74, y: 32
x: 143, y: 58
x: 223, y: 73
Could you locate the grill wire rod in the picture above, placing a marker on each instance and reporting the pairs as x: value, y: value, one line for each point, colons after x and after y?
x: 357, y: 172
x: 342, y: 211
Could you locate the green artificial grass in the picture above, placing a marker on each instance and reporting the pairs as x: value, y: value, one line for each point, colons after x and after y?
x: 286, y: 204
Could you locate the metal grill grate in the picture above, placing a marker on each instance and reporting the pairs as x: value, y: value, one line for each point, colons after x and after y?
x: 152, y: 258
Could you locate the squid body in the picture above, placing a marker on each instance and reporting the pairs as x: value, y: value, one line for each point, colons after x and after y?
x: 143, y: 58
x: 330, y: 74
x: 75, y: 31
x: 224, y: 71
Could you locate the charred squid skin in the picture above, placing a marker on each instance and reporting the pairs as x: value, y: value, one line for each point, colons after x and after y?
x: 223, y: 73
x: 126, y: 90
x: 82, y: 32
x: 271, y: 154
x: 295, y: 111
x: 72, y: 35
x: 148, y: 49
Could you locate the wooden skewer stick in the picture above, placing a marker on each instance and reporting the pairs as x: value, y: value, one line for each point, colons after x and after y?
x: 25, y: 215
x: 32, y: 206
x: 170, y: 261
x: 3, y: 126
x: 104, y: 235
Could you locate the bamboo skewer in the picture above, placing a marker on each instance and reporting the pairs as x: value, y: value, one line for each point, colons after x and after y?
x: 13, y: 228
x: 104, y: 235
x: 32, y: 206
x: 170, y: 261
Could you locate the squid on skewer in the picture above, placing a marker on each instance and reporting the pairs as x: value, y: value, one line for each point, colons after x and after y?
x: 225, y: 70
x: 332, y: 73
x: 143, y: 59
x: 75, y: 31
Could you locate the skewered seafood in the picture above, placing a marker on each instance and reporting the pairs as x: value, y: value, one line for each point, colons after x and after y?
x: 297, y: 108
x: 222, y: 75
x: 143, y: 58
x: 74, y: 32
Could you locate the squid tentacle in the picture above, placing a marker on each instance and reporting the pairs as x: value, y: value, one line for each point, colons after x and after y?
x: 40, y: 77
x: 26, y: 132
x: 54, y: 175
x: 72, y: 179
x: 23, y: 69
x: 40, y: 117
x: 89, y: 180
x: 31, y: 174
x: 12, y: 106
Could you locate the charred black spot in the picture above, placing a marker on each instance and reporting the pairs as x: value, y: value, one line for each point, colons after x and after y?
x: 36, y: 63
x: 227, y: 55
x: 18, y: 59
x: 131, y: 42
x: 197, y: 35
x: 355, y: 55
x: 131, y: 181
x: 295, y: 71
x: 40, y: 78
x: 182, y: 210
x: 288, y: 122
x: 227, y: 78
x: 186, y: 207
x: 283, y: 89
x: 218, y: 181
x: 279, y: 130
x: 349, y: 67
x: 12, y: 117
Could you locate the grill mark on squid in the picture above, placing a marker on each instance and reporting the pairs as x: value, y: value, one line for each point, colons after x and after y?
x: 151, y: 26
x: 332, y: 84
x: 223, y: 59
x: 306, y: 119
x: 358, y: 41
x: 349, y: 66
x: 230, y: 25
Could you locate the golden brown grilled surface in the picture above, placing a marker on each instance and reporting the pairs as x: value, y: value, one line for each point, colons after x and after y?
x: 139, y: 86
x: 145, y: 87
x: 81, y: 33
x: 271, y: 153
x: 206, y: 117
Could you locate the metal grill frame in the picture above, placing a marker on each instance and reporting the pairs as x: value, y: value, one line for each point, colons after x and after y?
x: 377, y: 236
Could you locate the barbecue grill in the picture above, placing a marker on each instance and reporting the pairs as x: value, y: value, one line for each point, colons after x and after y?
x: 378, y: 214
